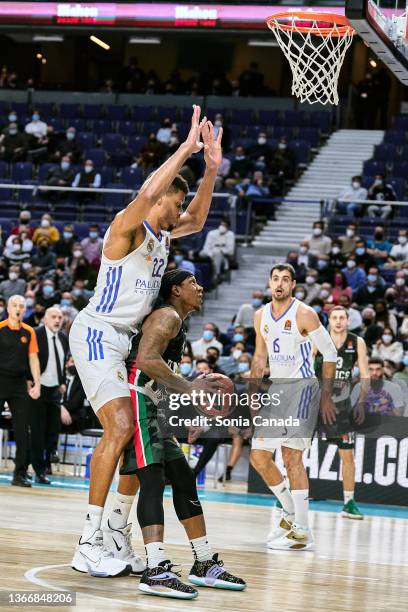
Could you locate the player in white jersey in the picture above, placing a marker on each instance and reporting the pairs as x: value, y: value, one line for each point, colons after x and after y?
x: 285, y: 331
x: 134, y: 259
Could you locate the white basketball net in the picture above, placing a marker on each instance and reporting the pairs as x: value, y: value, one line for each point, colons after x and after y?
x: 315, y: 59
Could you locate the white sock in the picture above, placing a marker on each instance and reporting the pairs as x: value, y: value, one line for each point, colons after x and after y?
x: 348, y: 495
x: 301, y: 502
x: 201, y: 549
x: 284, y: 495
x: 155, y: 553
x: 120, y: 511
x: 93, y: 521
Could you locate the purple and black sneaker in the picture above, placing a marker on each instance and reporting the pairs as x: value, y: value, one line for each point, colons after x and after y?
x: 163, y: 582
x: 212, y: 574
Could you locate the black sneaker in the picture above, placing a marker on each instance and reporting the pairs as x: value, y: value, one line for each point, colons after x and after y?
x: 163, y: 582
x: 212, y: 574
x: 227, y: 476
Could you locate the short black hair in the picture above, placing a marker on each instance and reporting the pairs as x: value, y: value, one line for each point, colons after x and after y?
x: 214, y: 348
x: 281, y: 267
x: 179, y: 184
x: 376, y: 361
x: 202, y: 361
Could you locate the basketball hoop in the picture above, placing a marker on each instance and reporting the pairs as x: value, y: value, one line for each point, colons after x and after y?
x: 315, y: 45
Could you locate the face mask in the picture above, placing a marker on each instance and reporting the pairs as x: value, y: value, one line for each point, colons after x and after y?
x: 88, y: 169
x: 355, y: 184
x: 93, y: 235
x: 26, y: 265
x: 367, y: 322
x: 66, y: 302
x: 243, y: 366
x: 70, y: 135
x: 310, y: 280
x: 281, y: 146
x: 303, y: 250
x: 356, y: 372
x: 15, y: 248
x: 64, y: 165
x: 372, y: 278
x: 29, y: 302
x: 218, y: 123
x: 405, y: 360
x: 349, y: 233
x: 386, y: 338
x: 13, y: 276
x: 256, y: 302
x: 317, y: 231
x: 299, y: 295
x: 324, y: 294
x: 239, y: 157
x: 67, y: 235
x: 335, y: 250
x: 261, y: 140
x: 77, y: 254
x: 12, y: 118
x: 321, y: 264
x: 77, y: 292
x: 72, y: 370
x: 24, y: 221
x: 222, y: 229
x: 351, y: 264
x: 12, y: 132
x: 402, y: 239
x: 317, y: 309
x: 178, y: 259
x: 208, y: 335
x: 360, y: 251
x: 238, y: 338
x: 47, y: 290
x: 185, y: 368
x: 400, y: 282
x: 236, y: 354
x: 36, y: 117
x: 45, y: 223
x: 379, y: 235
x: 174, y: 140
x: 378, y: 182
x: 338, y: 280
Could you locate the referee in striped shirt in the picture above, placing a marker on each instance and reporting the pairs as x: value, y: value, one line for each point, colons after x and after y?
x: 19, y: 358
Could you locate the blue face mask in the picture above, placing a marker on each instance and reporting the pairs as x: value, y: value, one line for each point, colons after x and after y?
x: 66, y: 302
x: 256, y: 302
x: 67, y: 235
x: 12, y: 118
x: 47, y: 290
x: 360, y: 251
x: 317, y: 309
x: 321, y: 264
x: 178, y: 259
x: 208, y: 335
x: 77, y: 292
x: 93, y: 235
x: 372, y: 278
x: 243, y: 366
x: 238, y: 338
x: 35, y: 117
x: 64, y: 165
x: 405, y: 360
x: 185, y: 368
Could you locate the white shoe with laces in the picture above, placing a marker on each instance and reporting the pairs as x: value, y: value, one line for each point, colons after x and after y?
x: 94, y: 558
x: 297, y: 538
x: 282, y: 528
x: 119, y: 543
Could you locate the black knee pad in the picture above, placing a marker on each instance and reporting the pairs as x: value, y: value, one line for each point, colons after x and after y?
x: 150, y: 502
x: 185, y: 496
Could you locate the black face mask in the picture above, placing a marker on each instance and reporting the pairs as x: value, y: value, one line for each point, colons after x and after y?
x: 379, y: 235
x: 367, y: 322
x: 72, y: 370
x: 39, y: 315
x: 44, y: 249
x: 212, y: 360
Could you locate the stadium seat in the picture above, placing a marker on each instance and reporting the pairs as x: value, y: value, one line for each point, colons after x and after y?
x: 244, y: 117
x: 69, y: 111
x: 57, y: 123
x: 86, y: 139
x: 385, y: 152
x: 112, y: 142
x: 396, y: 137
x: 252, y: 131
x: 98, y: 156
x: 301, y: 149
x: 106, y: 173
x: 93, y: 111
x: 3, y: 169
x: 372, y: 167
x: 115, y: 201
x: 79, y: 124
x: 127, y: 128
x: 117, y: 112
x: 142, y: 113
x: 400, y: 169
x: 311, y: 134
x: 399, y: 185
x: 167, y: 112
x: 43, y: 171
x: 47, y: 109
x: 136, y: 143
x: 21, y: 171
x: 268, y: 117
x: 132, y: 177
x: 101, y: 126
x: 27, y: 196
x: 400, y: 122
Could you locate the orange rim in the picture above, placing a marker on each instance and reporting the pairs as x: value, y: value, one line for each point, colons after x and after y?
x: 344, y: 28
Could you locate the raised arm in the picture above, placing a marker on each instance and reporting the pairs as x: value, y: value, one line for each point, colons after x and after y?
x: 194, y: 218
x: 126, y: 222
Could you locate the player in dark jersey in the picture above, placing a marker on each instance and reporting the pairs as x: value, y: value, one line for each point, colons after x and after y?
x: 351, y: 351
x: 153, y: 457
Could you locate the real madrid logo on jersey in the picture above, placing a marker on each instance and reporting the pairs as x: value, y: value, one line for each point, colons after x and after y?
x: 150, y: 245
x: 266, y: 329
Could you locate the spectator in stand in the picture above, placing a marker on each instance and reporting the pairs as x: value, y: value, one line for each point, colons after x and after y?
x: 350, y: 197
x: 80, y: 295
x: 29, y: 303
x: 251, y: 81
x: 82, y: 270
x: 340, y: 287
x: 229, y: 363
x: 384, y: 317
x: 246, y: 312
x: 62, y: 176
x: 256, y: 188
x: 24, y: 224
x: 399, y: 292
x: 68, y: 310
x: 88, y: 177
x: 388, y: 347
x: 235, y: 88
x: 14, y: 252
x: 222, y: 173
x: 381, y: 192
x: 199, y: 347
x: 363, y: 259
x: 318, y: 306
x: 355, y: 276
x: 402, y: 375
x: 283, y: 162
x: 45, y: 256
x: 92, y: 245
x: 164, y: 133
x: 349, y: 240
x: 241, y: 166
x: 46, y: 230
x: 327, y: 296
x: 371, y: 332
x: 186, y: 366
x: 213, y: 355
x: 319, y: 243
x: 36, y: 317
x: 63, y: 247
x: 305, y: 260
x: 355, y: 320
x: 261, y: 151
x: 399, y: 252
x: 300, y: 293
x: 68, y: 145
x: 73, y: 409
x: 182, y: 262
x: 62, y: 275
x: 384, y: 397
x: 152, y: 152
x: 312, y: 287
x: 3, y: 309
x: 325, y: 272
x: 379, y: 248
x: 48, y: 296
x: 12, y: 117
x: 219, y: 246
x: 13, y: 147
x: 36, y: 127
x: 336, y: 259
x: 373, y: 290
x: 14, y: 285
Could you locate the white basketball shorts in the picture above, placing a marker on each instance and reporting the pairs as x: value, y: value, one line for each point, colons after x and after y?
x: 100, y: 352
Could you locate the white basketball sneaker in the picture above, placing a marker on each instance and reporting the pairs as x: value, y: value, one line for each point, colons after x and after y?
x: 297, y: 538
x: 94, y: 558
x: 119, y: 543
x: 282, y: 528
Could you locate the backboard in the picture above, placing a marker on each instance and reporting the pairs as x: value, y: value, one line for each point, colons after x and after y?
x: 383, y: 26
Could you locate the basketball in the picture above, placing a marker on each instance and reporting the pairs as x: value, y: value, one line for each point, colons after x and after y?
x: 223, y: 404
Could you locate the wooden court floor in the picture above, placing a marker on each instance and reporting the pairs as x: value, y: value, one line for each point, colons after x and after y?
x: 356, y: 567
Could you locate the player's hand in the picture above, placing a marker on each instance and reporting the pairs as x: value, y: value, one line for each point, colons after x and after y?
x: 65, y: 416
x: 193, y: 434
x: 206, y: 384
x: 193, y: 139
x: 34, y: 392
x: 359, y: 414
x: 212, y: 146
x: 328, y: 410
